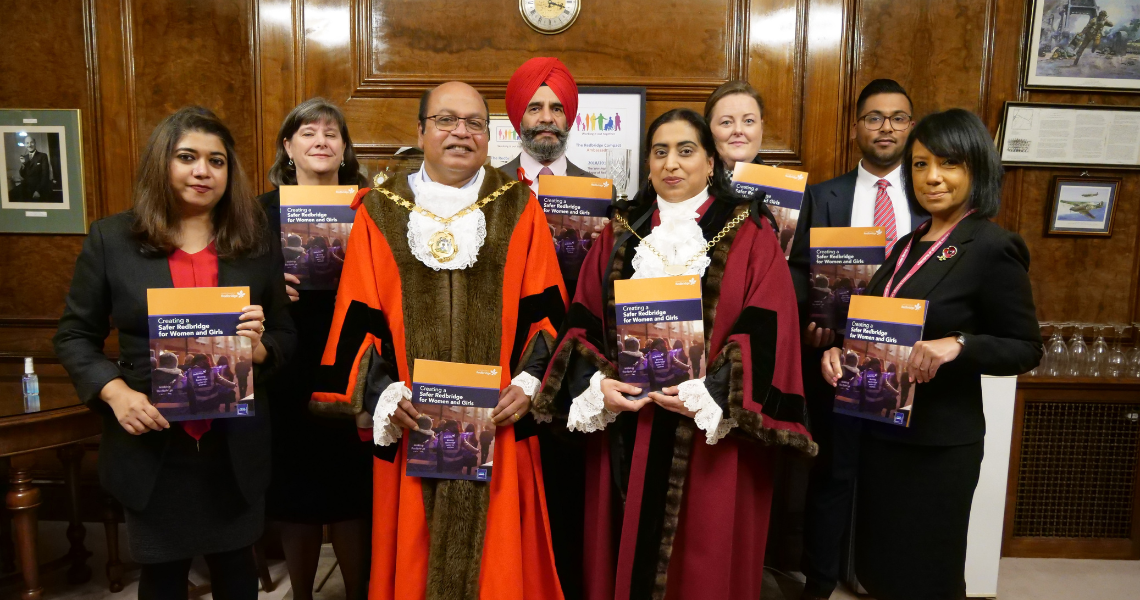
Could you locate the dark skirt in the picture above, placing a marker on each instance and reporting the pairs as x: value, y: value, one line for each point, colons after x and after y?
x: 196, y: 507
x: 912, y: 518
x: 322, y: 470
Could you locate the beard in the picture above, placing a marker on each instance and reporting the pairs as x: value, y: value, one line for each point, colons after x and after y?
x: 544, y: 150
x: 880, y: 157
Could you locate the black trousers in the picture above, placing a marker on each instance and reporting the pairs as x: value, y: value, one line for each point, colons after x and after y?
x: 827, y: 507
x: 233, y: 576
x: 912, y: 518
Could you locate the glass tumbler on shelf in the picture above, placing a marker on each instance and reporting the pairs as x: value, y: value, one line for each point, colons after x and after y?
x: 1116, y: 362
x: 1056, y: 354
x: 1134, y: 354
x: 1099, y: 360
x: 1079, y: 354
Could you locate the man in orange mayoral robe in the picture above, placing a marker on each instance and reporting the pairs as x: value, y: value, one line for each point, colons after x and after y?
x: 453, y: 262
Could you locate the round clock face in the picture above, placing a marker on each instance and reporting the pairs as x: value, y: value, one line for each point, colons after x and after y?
x: 549, y: 16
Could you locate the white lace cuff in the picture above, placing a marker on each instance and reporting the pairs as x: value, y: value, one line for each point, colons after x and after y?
x: 529, y: 385
x: 588, y: 412
x: 383, y: 431
x: 710, y: 417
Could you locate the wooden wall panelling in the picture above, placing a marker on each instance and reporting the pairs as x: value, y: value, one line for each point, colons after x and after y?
x: 120, y: 148
x: 196, y: 53
x: 827, y: 112
x: 276, y: 67
x: 775, y: 67
x: 46, y: 64
x: 679, y: 49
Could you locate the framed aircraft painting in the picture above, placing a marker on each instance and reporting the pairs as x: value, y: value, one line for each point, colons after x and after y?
x: 1083, y: 206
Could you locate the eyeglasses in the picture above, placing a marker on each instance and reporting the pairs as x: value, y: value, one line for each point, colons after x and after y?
x: 874, y: 121
x: 450, y: 122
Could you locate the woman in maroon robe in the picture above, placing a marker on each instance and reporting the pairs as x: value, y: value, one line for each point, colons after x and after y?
x: 673, y: 512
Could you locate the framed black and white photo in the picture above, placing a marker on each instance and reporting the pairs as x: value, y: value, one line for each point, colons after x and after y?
x: 1090, y: 136
x: 42, y: 187
x: 1084, y: 44
x: 1083, y: 206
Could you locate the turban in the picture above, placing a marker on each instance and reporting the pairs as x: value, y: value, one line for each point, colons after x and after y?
x: 529, y: 77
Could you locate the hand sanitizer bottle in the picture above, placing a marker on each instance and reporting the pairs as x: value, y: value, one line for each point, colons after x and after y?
x: 31, y: 387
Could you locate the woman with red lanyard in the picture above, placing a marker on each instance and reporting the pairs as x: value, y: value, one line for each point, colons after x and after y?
x: 916, y: 484
x: 196, y: 487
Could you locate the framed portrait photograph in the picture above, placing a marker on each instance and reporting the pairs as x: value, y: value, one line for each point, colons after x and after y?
x: 1083, y: 206
x: 42, y: 187
x: 1084, y: 44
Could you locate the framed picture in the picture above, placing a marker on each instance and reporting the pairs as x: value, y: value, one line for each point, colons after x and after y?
x: 608, y: 117
x: 42, y: 187
x: 1084, y: 44
x: 1083, y: 206
x: 1073, y: 135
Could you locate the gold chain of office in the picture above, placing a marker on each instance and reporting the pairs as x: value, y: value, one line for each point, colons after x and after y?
x: 442, y: 244
x: 673, y: 269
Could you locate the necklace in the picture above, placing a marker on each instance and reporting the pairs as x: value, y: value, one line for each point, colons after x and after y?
x: 442, y: 244
x: 673, y: 269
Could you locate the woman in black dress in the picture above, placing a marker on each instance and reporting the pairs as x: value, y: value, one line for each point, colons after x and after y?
x: 322, y: 469
x: 197, y: 487
x: 916, y: 484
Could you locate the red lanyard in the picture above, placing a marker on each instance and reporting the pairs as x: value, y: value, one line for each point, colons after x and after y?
x: 888, y: 293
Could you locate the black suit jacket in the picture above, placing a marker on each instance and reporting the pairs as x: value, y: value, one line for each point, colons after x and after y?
x: 36, y: 174
x: 983, y: 293
x: 111, y: 278
x: 572, y: 170
x: 826, y: 204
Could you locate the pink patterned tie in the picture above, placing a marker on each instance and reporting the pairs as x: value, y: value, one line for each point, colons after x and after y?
x: 885, y: 214
x: 546, y: 171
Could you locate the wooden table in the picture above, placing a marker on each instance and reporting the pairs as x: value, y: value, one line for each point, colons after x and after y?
x: 61, y: 424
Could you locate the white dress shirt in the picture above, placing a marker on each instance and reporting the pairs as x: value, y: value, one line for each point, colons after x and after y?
x: 867, y: 187
x: 531, y: 167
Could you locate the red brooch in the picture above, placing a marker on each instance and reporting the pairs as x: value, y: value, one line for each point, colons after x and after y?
x: 948, y: 252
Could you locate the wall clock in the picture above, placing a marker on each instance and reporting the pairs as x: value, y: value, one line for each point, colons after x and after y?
x: 550, y: 16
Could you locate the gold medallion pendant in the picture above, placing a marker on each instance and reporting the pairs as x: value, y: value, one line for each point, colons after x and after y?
x: 442, y: 246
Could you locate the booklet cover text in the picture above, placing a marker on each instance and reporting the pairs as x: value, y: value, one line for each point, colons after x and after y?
x: 201, y: 367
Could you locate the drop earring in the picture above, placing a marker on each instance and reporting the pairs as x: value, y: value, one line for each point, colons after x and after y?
x: 342, y: 163
x: 290, y: 163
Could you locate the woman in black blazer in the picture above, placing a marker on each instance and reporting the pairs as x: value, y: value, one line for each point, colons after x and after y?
x: 194, y: 217
x: 916, y: 484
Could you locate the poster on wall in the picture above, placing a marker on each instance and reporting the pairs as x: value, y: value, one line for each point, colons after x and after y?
x: 1075, y: 135
x: 608, y: 117
x: 1084, y: 44
x: 42, y: 187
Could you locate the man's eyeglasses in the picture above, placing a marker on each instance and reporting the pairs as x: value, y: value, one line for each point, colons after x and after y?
x: 874, y: 121
x: 450, y: 122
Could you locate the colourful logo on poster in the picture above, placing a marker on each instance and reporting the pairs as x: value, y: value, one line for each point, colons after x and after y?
x: 599, y: 121
x: 504, y: 133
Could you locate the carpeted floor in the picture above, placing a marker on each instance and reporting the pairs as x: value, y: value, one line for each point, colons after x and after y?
x: 1021, y: 578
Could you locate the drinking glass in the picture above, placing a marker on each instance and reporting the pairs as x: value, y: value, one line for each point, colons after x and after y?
x: 1116, y: 361
x: 1134, y: 354
x: 1057, y: 354
x: 1099, y: 361
x: 1079, y: 355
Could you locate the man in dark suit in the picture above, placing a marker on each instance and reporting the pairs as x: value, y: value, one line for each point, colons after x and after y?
x: 542, y: 101
x: 36, y: 172
x: 870, y: 195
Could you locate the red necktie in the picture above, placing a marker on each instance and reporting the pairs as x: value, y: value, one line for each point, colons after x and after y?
x: 885, y: 213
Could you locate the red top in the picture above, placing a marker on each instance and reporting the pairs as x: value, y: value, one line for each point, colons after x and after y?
x: 195, y: 270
